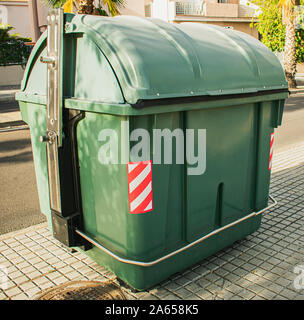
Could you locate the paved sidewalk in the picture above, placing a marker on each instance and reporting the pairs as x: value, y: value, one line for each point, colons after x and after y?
x: 9, y: 114
x: 258, y: 267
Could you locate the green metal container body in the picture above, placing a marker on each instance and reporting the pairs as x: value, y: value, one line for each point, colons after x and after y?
x: 236, y: 183
x: 238, y: 127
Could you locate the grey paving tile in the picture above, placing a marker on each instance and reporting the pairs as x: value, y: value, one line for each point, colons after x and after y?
x: 15, y: 274
x: 256, y: 297
x: 236, y: 297
x: 182, y: 293
x: 182, y: 281
x: 20, y: 296
x: 193, y: 287
x: 46, y: 285
x: 3, y: 296
x: 289, y: 294
x: 26, y: 286
x: 172, y: 286
x: 20, y: 280
x: 205, y: 294
x: 193, y: 297
x: 279, y: 297
x: 14, y: 291
x: 267, y: 294
x: 255, y: 288
x: 148, y: 296
x: 275, y: 288
x: 225, y: 294
x: 283, y: 282
x: 34, y: 274
x: 172, y: 296
x: 32, y: 292
x: 60, y: 280
x: 234, y: 288
x: 258, y: 267
x: 160, y: 293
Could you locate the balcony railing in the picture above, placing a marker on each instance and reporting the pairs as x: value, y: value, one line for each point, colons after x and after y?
x: 189, y: 7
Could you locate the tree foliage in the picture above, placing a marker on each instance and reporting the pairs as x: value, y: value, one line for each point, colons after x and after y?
x: 13, y: 49
x: 272, y: 29
x: 103, y: 7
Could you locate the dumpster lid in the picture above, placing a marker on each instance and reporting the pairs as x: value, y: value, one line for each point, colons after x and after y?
x: 153, y: 59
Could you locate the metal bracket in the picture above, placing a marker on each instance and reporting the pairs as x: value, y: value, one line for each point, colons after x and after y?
x: 53, y: 136
x: 173, y: 253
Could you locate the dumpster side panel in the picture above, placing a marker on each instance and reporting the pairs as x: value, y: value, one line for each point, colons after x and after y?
x: 105, y: 190
x: 36, y: 73
x: 35, y: 116
x: 104, y: 200
x: 224, y: 192
x: 185, y: 207
x: 266, y: 128
x: 167, y: 220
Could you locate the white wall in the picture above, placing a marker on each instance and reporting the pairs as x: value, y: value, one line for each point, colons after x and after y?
x: 11, y: 75
x: 160, y: 9
x: 18, y: 17
x: 134, y: 8
x: 3, y: 14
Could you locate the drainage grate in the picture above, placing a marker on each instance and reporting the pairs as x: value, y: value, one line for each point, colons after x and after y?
x: 83, y: 290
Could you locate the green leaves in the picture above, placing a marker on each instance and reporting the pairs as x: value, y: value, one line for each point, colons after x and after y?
x: 12, y: 47
x: 54, y: 3
x: 272, y: 30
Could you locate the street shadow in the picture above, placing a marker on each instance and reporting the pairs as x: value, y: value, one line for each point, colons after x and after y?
x: 19, y: 158
x: 17, y: 144
x: 9, y: 106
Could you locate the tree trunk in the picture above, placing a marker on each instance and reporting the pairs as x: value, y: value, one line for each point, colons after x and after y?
x: 290, y: 65
x: 86, y: 7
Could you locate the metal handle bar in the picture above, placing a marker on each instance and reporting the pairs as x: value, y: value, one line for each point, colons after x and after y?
x: 169, y: 255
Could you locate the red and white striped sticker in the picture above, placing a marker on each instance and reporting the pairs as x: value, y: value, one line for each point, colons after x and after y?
x: 271, y: 150
x: 140, y: 186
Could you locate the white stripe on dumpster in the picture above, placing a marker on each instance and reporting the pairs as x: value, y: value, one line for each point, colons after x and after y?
x: 132, y: 166
x: 140, y: 178
x: 135, y: 203
x: 149, y: 206
x: 140, y: 187
x: 271, y: 151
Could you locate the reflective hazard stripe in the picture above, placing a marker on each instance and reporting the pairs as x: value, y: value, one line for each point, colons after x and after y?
x: 140, y: 186
x: 271, y: 151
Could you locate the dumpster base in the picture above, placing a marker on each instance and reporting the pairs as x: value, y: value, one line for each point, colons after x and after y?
x: 142, y: 278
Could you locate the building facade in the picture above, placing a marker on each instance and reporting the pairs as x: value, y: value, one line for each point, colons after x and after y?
x: 16, y: 13
x: 225, y: 13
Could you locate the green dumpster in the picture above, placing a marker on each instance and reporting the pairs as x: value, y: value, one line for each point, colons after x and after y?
x: 152, y: 142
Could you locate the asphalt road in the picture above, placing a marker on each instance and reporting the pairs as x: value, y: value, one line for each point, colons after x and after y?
x: 292, y: 129
x: 19, y: 204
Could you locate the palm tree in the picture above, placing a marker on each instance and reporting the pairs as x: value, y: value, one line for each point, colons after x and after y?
x: 104, y: 8
x: 289, y: 61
